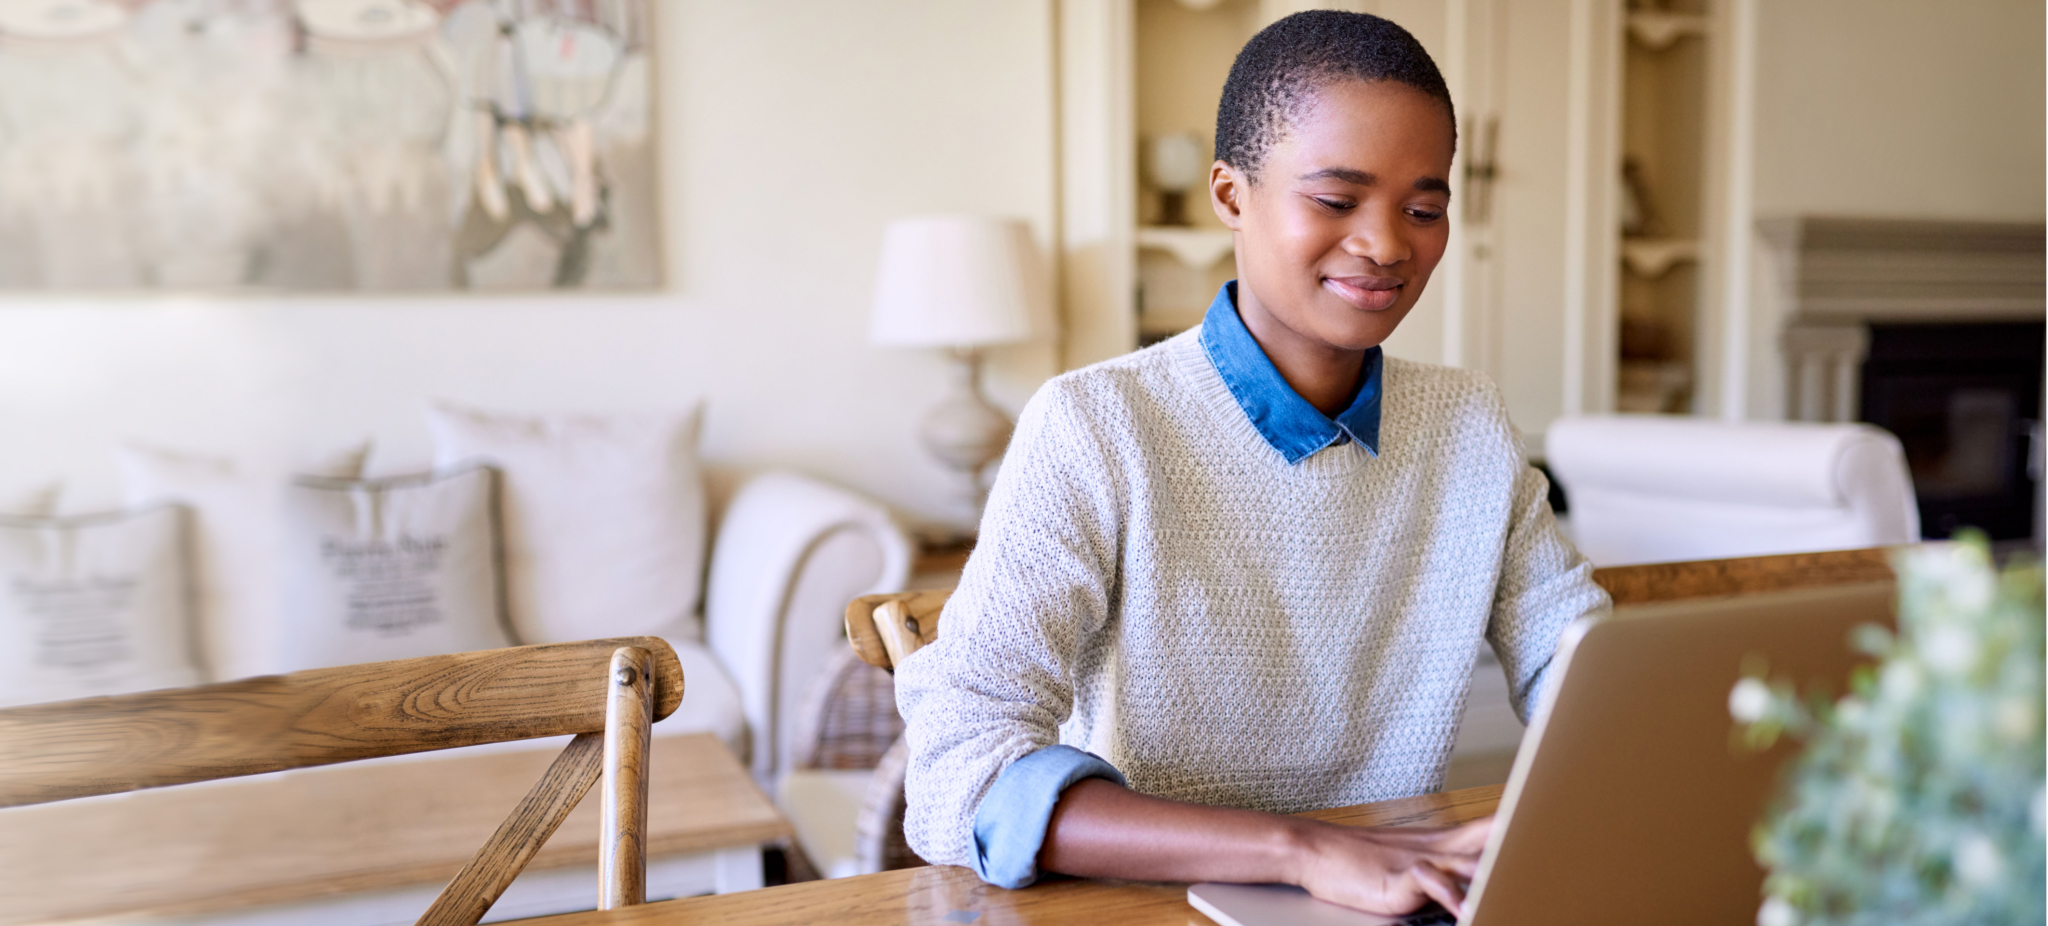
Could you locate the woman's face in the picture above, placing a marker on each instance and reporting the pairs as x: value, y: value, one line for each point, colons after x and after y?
x: 1348, y: 216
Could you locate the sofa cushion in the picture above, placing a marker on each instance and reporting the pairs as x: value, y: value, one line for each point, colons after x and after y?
x: 236, y: 526
x: 391, y: 568
x: 93, y: 605
x: 604, y: 518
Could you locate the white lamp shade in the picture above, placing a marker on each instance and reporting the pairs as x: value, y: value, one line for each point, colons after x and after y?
x: 957, y: 281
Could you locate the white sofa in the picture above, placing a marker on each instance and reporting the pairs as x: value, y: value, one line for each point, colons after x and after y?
x: 788, y: 554
x: 1654, y: 488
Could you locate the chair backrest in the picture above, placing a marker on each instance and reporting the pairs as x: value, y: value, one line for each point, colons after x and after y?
x: 1659, y: 488
x: 884, y: 629
x: 607, y: 693
x: 849, y: 717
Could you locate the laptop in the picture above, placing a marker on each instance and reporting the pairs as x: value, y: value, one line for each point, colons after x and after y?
x: 1631, y: 799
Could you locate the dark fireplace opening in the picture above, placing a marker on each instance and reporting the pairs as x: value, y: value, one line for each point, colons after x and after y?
x: 1965, y: 401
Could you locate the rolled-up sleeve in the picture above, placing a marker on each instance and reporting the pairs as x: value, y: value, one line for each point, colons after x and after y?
x: 1009, y: 829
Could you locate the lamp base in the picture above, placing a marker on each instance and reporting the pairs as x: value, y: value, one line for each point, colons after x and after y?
x: 964, y: 432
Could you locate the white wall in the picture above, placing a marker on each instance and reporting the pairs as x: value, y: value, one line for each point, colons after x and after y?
x: 792, y: 132
x: 1900, y: 108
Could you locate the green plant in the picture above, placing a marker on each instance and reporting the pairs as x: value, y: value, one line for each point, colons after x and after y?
x: 1918, y: 796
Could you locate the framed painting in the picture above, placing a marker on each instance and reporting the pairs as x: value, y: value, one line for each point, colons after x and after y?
x: 327, y: 146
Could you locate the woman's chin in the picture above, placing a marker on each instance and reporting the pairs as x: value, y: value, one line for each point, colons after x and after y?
x: 1361, y: 331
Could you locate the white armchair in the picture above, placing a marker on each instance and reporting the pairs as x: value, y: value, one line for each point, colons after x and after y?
x: 790, y: 554
x: 1648, y: 488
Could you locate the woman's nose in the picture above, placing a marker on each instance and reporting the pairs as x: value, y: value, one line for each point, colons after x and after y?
x: 1382, y: 239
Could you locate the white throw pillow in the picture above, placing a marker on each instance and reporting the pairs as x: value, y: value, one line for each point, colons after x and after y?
x: 391, y: 569
x: 38, y: 502
x: 93, y: 605
x: 236, y: 535
x: 604, y: 518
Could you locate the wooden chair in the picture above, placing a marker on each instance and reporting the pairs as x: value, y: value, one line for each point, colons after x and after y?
x: 607, y: 693
x: 885, y: 629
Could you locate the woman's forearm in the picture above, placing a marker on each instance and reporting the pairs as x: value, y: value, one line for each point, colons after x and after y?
x: 1101, y: 830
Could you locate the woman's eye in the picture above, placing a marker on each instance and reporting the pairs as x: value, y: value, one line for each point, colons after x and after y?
x: 1334, y: 205
x: 1425, y: 215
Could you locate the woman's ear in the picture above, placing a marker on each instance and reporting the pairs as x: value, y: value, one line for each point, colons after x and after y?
x: 1226, y: 193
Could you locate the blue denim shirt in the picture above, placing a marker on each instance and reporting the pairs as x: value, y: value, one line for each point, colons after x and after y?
x: 1009, y: 827
x: 1282, y: 416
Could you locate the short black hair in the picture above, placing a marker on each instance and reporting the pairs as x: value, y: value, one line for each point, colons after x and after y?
x: 1278, y: 72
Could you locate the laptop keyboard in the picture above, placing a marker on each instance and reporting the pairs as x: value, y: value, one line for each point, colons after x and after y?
x: 1433, y: 917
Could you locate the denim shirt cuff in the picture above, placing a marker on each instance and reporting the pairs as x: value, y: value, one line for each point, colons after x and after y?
x: 1009, y: 829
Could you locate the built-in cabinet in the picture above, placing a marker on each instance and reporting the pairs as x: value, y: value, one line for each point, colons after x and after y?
x: 1183, y: 52
x: 1601, y: 190
x: 1664, y: 73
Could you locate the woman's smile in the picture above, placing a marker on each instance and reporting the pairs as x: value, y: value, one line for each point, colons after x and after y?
x: 1371, y: 293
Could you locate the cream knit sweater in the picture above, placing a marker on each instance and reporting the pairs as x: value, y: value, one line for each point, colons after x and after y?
x: 1156, y: 585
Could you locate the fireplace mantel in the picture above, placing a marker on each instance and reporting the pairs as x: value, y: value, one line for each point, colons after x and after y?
x: 1838, y: 276
x: 1909, y: 270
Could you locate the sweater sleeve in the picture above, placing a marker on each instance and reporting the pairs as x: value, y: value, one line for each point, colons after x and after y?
x: 1545, y: 584
x: 998, y: 683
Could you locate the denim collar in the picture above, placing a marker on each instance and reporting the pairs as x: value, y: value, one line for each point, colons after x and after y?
x: 1285, y: 419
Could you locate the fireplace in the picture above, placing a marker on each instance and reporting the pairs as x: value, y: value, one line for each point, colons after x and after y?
x: 1965, y: 400
x: 1932, y: 330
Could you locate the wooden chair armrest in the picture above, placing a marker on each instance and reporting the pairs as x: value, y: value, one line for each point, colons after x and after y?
x: 885, y: 629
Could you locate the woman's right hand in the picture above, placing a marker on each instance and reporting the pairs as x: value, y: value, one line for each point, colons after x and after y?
x: 1391, y: 870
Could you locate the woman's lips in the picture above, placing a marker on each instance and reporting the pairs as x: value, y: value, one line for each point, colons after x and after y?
x: 1373, y: 294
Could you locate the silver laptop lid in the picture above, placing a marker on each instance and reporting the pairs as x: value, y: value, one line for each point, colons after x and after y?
x: 1631, y: 801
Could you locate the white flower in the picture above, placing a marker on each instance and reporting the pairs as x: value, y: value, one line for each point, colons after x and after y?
x: 1977, y: 861
x: 1949, y: 649
x: 1749, y: 700
x: 1776, y: 912
x: 1972, y: 589
x: 1900, y: 680
x: 2015, y: 718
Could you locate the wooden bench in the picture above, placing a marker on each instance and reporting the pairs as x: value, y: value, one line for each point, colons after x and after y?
x: 82, y: 837
x: 344, y: 829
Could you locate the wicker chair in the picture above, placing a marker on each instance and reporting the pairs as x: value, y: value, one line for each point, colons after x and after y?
x: 849, y: 741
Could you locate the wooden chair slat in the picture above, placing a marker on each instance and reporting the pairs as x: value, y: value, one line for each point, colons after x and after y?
x: 628, y: 735
x: 70, y: 749
x: 467, y: 898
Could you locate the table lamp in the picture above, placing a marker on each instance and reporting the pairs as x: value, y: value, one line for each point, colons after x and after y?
x: 961, y: 283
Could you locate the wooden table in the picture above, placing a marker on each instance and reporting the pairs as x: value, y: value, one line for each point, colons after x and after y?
x: 948, y: 896
x: 219, y: 846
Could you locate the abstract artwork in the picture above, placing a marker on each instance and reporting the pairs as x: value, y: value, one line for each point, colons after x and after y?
x: 327, y: 145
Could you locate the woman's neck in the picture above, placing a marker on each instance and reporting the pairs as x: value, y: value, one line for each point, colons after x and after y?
x: 1325, y: 375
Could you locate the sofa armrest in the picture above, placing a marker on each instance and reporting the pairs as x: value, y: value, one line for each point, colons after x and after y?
x: 791, y: 552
